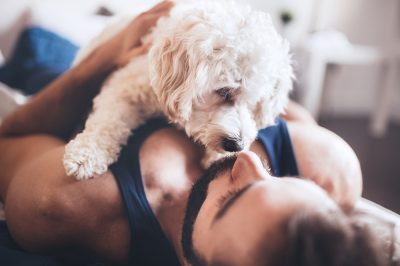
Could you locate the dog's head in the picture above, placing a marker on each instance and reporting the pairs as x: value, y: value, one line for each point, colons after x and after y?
x: 221, y: 71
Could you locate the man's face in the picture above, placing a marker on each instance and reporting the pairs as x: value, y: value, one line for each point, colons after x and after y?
x: 237, y: 204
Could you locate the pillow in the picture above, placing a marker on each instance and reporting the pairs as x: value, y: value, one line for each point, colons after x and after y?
x: 38, y: 58
x: 384, y: 223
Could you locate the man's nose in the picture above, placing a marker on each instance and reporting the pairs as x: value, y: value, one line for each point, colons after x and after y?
x: 248, y: 166
x: 232, y: 144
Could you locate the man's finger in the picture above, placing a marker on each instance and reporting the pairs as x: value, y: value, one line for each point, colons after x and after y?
x: 160, y: 7
x: 135, y: 52
x: 151, y: 19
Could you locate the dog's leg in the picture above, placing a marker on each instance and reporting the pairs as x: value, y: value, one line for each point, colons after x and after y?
x: 119, y: 108
x: 98, y: 146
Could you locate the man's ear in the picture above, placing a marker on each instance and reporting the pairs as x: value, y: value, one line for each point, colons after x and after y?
x: 169, y: 63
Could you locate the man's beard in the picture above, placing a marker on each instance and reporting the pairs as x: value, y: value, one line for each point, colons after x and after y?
x: 196, y: 199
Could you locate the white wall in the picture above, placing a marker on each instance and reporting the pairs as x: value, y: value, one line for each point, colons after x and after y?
x: 302, y: 10
x: 349, y: 90
x: 16, y: 14
x: 13, y: 14
x: 11, y: 20
x: 353, y: 90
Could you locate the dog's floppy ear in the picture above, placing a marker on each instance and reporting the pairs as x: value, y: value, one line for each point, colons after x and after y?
x: 170, y: 78
x: 270, y: 107
x: 276, y: 98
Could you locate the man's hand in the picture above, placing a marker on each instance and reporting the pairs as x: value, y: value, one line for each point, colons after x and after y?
x: 69, y: 96
x: 128, y: 43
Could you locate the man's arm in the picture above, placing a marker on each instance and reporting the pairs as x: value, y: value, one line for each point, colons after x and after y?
x: 60, y: 105
x: 58, y: 108
x: 296, y: 112
x: 326, y: 159
x: 323, y: 157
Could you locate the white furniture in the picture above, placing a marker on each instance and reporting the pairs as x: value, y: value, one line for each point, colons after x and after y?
x: 385, y: 93
x: 331, y: 48
x: 326, y: 48
x: 391, y: 81
x: 2, y: 59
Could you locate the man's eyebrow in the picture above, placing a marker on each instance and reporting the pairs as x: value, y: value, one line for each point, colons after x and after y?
x: 221, y: 212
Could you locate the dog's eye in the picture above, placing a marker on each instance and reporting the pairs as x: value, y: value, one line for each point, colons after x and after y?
x: 225, y: 93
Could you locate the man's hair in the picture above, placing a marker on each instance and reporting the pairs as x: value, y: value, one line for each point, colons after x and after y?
x: 322, y: 238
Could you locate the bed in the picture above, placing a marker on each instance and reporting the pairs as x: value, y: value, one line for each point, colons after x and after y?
x: 30, y: 61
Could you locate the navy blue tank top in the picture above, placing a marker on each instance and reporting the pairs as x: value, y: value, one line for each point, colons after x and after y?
x: 149, y: 245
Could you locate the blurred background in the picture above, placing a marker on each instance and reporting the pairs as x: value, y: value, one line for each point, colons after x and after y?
x: 347, y: 55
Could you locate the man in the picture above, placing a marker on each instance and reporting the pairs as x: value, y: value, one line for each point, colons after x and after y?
x: 237, y: 212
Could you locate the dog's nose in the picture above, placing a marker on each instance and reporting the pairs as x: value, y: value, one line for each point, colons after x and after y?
x: 231, y: 145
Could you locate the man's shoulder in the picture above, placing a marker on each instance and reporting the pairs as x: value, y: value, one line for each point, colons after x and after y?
x: 326, y: 159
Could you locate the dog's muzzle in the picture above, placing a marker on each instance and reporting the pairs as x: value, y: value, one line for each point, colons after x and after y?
x: 232, y: 144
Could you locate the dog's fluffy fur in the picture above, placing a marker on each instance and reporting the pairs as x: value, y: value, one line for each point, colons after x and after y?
x: 217, y: 69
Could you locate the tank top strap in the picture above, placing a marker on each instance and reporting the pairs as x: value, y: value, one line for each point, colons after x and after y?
x: 277, y: 143
x: 149, y: 245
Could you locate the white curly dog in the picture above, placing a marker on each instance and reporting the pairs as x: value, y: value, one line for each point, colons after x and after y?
x: 217, y: 69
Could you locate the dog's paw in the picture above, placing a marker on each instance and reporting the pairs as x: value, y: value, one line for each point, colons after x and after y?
x: 84, y: 160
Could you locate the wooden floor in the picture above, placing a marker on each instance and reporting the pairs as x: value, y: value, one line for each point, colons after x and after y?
x: 380, y: 158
